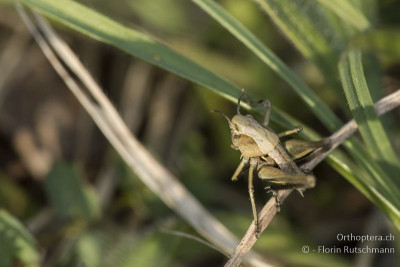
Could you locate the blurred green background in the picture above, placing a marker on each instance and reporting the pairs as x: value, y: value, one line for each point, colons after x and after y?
x: 67, y: 198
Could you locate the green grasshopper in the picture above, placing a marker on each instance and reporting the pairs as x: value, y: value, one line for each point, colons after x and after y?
x: 275, y: 161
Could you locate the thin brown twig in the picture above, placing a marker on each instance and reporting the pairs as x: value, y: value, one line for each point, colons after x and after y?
x: 269, y: 210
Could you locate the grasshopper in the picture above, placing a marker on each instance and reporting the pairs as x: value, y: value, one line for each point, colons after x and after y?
x: 275, y: 161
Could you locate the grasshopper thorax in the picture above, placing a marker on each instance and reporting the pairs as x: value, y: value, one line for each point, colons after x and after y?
x: 251, y: 138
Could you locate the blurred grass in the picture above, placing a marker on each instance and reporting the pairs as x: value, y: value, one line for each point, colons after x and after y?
x: 320, y: 31
x: 132, y: 42
x: 16, y: 242
x: 362, y: 107
x: 67, y: 194
x: 346, y: 11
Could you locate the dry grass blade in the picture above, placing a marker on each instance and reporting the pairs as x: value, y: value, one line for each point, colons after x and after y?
x: 152, y: 173
x: 269, y: 210
x: 195, y: 238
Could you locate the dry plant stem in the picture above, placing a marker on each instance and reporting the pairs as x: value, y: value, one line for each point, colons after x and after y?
x: 152, y: 173
x: 269, y: 210
x: 265, y: 216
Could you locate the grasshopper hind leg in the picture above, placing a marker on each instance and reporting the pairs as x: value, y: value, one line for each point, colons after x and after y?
x: 284, y: 181
x: 253, y: 164
x: 265, y: 103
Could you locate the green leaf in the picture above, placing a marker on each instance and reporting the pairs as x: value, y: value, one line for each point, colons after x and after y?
x: 104, y: 29
x: 16, y: 242
x: 69, y: 196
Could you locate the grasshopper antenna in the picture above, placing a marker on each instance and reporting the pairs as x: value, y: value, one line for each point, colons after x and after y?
x: 226, y: 117
x: 238, y: 105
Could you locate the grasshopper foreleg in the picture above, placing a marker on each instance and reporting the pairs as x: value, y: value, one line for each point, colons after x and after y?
x: 243, y: 163
x: 291, y: 131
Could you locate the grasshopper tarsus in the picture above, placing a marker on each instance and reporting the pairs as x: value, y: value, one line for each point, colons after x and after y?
x: 277, y: 205
x: 300, y: 191
x: 275, y: 196
x: 257, y: 231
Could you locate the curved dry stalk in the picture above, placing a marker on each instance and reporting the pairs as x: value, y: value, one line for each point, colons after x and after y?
x: 269, y: 210
x: 148, y: 169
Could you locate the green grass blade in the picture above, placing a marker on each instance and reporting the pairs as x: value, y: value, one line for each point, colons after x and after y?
x: 307, y: 25
x: 375, y: 160
x: 288, y: 15
x: 362, y: 107
x: 346, y: 11
x: 319, y: 108
x: 104, y: 29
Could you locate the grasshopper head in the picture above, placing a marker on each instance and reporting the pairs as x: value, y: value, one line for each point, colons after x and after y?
x: 238, y: 123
